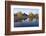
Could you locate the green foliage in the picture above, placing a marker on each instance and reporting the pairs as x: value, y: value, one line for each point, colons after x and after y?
x: 31, y: 15
x: 20, y: 12
x: 20, y: 15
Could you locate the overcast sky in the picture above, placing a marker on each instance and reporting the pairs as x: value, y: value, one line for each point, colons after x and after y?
x: 26, y: 10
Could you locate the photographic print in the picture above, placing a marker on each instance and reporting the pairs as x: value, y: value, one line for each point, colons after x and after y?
x: 24, y: 18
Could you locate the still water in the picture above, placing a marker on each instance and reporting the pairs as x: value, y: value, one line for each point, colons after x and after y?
x: 27, y: 23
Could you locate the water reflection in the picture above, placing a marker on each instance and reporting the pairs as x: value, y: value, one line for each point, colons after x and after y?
x: 27, y: 22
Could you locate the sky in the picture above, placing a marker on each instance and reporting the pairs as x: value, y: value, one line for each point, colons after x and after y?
x: 26, y: 10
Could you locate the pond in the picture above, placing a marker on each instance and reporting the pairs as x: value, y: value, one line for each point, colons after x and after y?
x: 27, y: 23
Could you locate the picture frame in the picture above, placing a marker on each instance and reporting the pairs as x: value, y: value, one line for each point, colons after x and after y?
x: 8, y: 18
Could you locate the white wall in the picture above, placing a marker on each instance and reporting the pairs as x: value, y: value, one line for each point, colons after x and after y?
x: 2, y: 18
